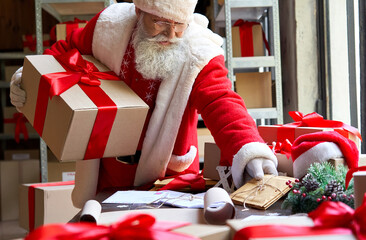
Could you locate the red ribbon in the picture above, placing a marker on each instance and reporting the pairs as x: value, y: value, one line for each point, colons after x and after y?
x: 330, y: 218
x: 195, y: 181
x: 283, y: 148
x: 70, y: 26
x: 133, y: 226
x: 287, y: 131
x: 31, y: 198
x: 20, y: 127
x: 31, y: 42
x: 246, y: 37
x: 350, y: 173
x: 86, y: 75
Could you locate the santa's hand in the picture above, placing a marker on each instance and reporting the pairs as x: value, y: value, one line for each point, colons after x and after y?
x: 17, y: 95
x: 257, y: 167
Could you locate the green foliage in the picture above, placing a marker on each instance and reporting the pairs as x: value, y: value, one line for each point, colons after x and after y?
x: 306, y: 195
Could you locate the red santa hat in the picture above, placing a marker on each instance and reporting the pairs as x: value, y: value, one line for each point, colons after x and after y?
x: 176, y: 10
x: 319, y: 147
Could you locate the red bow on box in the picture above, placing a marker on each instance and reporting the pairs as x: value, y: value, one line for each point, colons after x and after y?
x: 330, y: 218
x: 86, y: 75
x: 287, y: 131
x: 134, y: 226
x: 31, y: 42
x: 20, y: 127
x: 195, y: 181
x: 282, y: 147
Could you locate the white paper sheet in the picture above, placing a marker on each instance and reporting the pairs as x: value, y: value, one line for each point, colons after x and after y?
x: 167, y: 197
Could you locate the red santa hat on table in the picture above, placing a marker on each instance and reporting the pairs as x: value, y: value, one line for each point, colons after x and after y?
x: 319, y: 147
x: 176, y: 10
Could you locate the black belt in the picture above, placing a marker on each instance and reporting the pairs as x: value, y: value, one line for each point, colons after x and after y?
x: 131, y: 159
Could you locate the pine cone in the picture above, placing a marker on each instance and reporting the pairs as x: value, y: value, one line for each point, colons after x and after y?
x: 310, y: 183
x: 333, y: 187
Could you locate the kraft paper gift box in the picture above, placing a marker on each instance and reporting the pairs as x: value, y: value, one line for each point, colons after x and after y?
x: 63, y: 29
x: 255, y: 89
x: 45, y: 203
x: 21, y: 154
x: 59, y: 171
x: 30, y: 43
x: 68, y: 123
x: 239, y: 41
x: 16, y: 124
x: 13, y: 173
x: 206, y: 232
x: 288, y: 221
x: 211, y: 161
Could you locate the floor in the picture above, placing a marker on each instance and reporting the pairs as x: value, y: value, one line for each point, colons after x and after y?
x: 11, y: 230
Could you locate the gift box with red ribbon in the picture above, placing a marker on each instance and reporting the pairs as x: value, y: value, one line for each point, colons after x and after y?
x: 331, y: 220
x: 30, y: 43
x: 16, y: 124
x: 45, y: 203
x: 61, y: 30
x: 80, y: 108
x: 305, y: 124
x: 248, y: 39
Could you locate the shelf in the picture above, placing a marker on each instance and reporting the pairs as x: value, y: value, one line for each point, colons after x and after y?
x: 253, y: 62
x: 4, y: 84
x: 260, y: 113
x: 5, y: 136
x: 12, y: 55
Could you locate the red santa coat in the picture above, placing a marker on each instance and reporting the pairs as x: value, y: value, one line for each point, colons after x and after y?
x: 169, y: 139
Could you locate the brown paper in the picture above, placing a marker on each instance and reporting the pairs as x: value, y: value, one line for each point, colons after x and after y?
x: 218, y: 206
x: 359, y: 187
x: 263, y: 193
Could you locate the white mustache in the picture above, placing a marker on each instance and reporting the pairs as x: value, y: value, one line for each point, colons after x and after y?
x: 162, y: 38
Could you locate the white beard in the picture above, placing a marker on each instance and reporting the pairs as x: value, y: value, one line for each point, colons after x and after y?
x: 153, y: 60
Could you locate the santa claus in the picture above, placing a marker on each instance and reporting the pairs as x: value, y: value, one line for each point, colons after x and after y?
x: 169, y: 57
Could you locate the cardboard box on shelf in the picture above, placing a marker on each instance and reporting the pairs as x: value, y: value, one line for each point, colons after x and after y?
x: 63, y: 29
x: 21, y: 154
x: 13, y: 173
x: 30, y: 43
x: 255, y: 88
x: 59, y: 171
x: 69, y: 118
x: 51, y: 204
x: 9, y: 71
x: 257, y: 39
x: 11, y: 116
x: 204, y: 135
x: 269, y: 133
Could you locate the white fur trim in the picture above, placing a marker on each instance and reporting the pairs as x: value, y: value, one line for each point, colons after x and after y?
x: 319, y: 153
x: 112, y: 34
x: 181, y: 163
x: 247, y: 153
x: 176, y: 10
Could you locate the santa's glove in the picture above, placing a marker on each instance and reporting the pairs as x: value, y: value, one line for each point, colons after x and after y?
x: 256, y: 168
x: 17, y: 95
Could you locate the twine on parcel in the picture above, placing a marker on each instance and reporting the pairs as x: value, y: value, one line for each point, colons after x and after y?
x: 255, y: 190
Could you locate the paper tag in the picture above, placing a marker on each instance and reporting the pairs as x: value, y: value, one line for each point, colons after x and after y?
x: 68, y: 176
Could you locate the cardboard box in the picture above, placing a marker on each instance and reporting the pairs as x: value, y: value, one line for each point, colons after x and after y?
x: 255, y: 88
x: 204, y: 135
x: 13, y: 173
x: 70, y: 117
x: 10, y: 121
x: 9, y: 71
x: 211, y: 161
x: 21, y: 154
x: 30, y: 43
x: 52, y: 204
x: 60, y: 171
x: 295, y: 221
x: 62, y: 29
x: 269, y: 133
x: 206, y: 232
x: 257, y: 38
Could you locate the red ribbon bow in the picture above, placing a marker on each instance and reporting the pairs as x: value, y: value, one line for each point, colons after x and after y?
x: 86, y: 75
x: 195, y: 181
x: 286, y: 131
x: 283, y: 148
x: 329, y: 218
x: 20, y: 127
x: 134, y: 226
x: 31, y: 42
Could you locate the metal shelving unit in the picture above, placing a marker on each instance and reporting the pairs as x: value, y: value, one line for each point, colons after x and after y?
x: 267, y: 12
x: 49, y: 6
